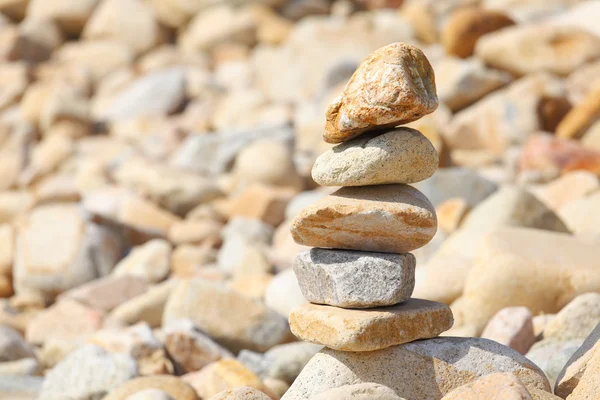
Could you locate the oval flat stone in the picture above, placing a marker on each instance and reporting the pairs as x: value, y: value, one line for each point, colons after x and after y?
x: 402, y: 155
x: 395, y: 85
x: 355, y: 279
x: 385, y: 218
x: 373, y: 329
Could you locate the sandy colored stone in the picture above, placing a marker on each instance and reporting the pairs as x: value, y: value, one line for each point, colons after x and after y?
x: 222, y: 375
x: 66, y: 319
x: 466, y: 25
x: 150, y: 394
x: 71, y: 17
x: 513, y: 327
x: 195, y: 231
x: 393, y: 86
x: 387, y: 218
x: 529, y: 48
x: 513, y: 206
x: 107, y: 293
x: 189, y: 348
x: 580, y: 216
x: 173, y: 386
x: 368, y: 330
x: 351, y: 279
x: 139, y: 342
x: 557, y: 267
x: 460, y: 83
x: 147, y: 307
x: 451, y: 213
x: 582, y: 116
x: 149, y: 261
x: 573, y: 370
x: 361, y: 391
x: 262, y: 202
x: 576, y: 320
x: 494, y: 386
x: 567, y: 188
x: 422, y: 370
x: 402, y: 155
x: 242, y: 393
x: 588, y: 387
x: 248, y: 323
x: 283, y: 293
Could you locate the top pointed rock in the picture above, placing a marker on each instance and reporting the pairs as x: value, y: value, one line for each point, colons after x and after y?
x: 393, y: 86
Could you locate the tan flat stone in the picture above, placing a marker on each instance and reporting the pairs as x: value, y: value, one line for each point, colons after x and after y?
x: 368, y: 330
x: 393, y: 86
x: 386, y: 218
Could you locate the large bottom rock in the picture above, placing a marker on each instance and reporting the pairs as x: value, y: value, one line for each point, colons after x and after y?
x: 422, y: 370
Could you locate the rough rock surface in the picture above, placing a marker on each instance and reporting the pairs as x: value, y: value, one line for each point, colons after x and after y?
x: 402, y: 155
x: 443, y: 364
x: 387, y: 218
x: 360, y: 391
x: 351, y: 279
x: 393, y: 86
x: 372, y: 329
x: 498, y: 385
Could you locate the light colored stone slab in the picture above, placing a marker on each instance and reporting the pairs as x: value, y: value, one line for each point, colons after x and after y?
x: 368, y: 330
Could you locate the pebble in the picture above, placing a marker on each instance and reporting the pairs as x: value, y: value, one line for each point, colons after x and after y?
x: 568, y: 188
x: 588, y: 388
x: 373, y: 329
x: 20, y: 387
x: 576, y: 320
x: 150, y: 394
x: 189, y: 348
x: 12, y: 345
x: 573, y: 370
x: 88, y: 372
x: 386, y: 218
x: 440, y: 370
x: 551, y: 355
x: 350, y: 279
x: 582, y: 116
x: 222, y: 375
x: 361, y: 391
x: 243, y: 393
x: 248, y: 323
x: 377, y: 159
x: 512, y: 327
x: 149, y: 261
x: 106, y: 293
x: 147, y: 307
x: 393, y: 86
x: 283, y: 293
x: 525, y: 49
x: 497, y: 385
x: 512, y: 255
x: 171, y: 385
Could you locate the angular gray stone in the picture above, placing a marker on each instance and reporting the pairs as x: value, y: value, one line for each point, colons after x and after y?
x: 12, y: 345
x: 402, y: 155
x: 546, y: 353
x: 354, y: 279
x: 576, y: 320
x: 88, y: 373
x: 422, y: 370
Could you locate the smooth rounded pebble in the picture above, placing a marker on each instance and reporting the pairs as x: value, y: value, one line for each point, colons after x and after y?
x: 353, y: 279
x: 242, y: 393
x: 361, y: 391
x: 171, y: 385
x: 385, y: 218
x: 395, y: 85
x: 402, y: 155
x: 421, y: 370
x: 373, y: 329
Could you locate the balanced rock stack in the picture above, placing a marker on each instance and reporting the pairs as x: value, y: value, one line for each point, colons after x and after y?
x: 359, y: 276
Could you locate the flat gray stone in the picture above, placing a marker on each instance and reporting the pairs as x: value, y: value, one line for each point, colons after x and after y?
x: 401, y: 155
x: 421, y: 370
x: 354, y: 279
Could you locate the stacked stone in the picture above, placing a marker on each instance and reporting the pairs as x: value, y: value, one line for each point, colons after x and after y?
x: 359, y: 277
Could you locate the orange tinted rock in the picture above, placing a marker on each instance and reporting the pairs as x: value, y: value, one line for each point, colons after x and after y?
x: 466, y: 25
x: 385, y: 218
x: 499, y: 385
x: 393, y: 86
x: 582, y: 116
